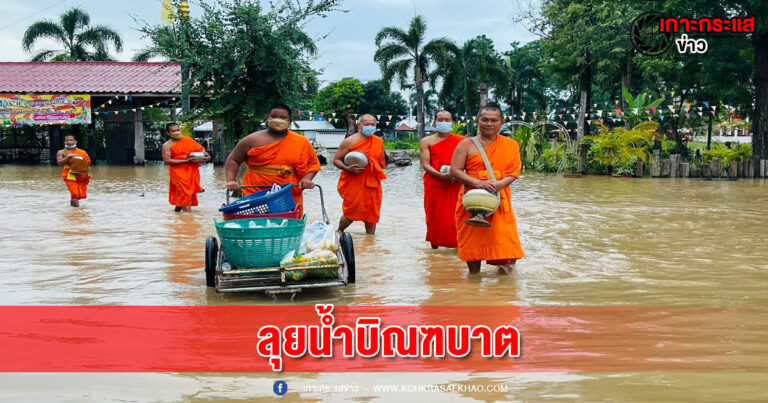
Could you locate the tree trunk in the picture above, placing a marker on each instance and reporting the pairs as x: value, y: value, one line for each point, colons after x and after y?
x: 626, y: 81
x: 760, y: 114
x: 349, y: 120
x: 585, y: 98
x: 483, y: 94
x: 709, y: 132
x: 419, y: 100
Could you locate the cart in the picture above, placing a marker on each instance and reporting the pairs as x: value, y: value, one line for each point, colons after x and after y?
x: 273, y: 280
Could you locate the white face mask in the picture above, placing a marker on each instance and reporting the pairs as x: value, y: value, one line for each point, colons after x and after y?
x: 70, y: 147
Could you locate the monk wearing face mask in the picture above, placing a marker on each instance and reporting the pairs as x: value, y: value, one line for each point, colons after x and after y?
x: 182, y: 168
x: 360, y: 186
x: 275, y: 155
x: 75, y: 169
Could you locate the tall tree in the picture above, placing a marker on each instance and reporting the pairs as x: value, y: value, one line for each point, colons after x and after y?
x: 80, y: 40
x: 521, y: 76
x: 344, y: 97
x: 242, y: 58
x: 382, y: 103
x: 400, y: 51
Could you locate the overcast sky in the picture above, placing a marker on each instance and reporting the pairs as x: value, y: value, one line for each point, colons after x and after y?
x: 347, y: 51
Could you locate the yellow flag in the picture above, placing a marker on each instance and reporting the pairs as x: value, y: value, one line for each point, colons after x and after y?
x: 167, y: 12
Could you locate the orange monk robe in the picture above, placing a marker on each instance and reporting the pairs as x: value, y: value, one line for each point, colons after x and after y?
x: 440, y: 196
x: 77, y: 183
x: 185, y: 178
x: 362, y: 193
x: 295, y: 153
x: 498, y: 244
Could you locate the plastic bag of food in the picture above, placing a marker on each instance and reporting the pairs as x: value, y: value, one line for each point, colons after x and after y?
x: 318, y: 235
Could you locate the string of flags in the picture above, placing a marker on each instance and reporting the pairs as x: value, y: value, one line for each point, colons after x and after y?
x: 98, y: 111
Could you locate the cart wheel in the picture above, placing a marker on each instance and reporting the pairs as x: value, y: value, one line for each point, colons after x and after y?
x: 211, y: 251
x: 345, y: 241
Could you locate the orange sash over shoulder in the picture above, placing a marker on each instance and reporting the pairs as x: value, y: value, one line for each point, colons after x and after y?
x: 362, y: 193
x: 185, y: 178
x: 284, y: 161
x: 77, y: 183
x: 440, y: 196
x: 500, y: 241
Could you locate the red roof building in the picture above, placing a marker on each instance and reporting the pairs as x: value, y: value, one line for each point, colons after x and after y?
x: 97, y: 78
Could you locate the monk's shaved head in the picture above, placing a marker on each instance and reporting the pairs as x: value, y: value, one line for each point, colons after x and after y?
x: 367, y: 116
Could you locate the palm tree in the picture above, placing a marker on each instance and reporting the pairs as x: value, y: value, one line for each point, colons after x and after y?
x: 404, y: 51
x: 465, y: 70
x: 80, y: 41
x: 430, y: 102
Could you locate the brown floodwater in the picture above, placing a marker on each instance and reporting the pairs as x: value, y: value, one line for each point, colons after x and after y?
x: 598, y: 241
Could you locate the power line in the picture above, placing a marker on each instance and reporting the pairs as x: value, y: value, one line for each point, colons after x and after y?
x: 32, y: 15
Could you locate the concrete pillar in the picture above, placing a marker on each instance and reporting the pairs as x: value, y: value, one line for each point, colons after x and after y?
x: 674, y: 166
x: 138, y: 136
x: 639, y: 166
x: 655, y: 164
x: 685, y: 170
x: 716, y: 169
x: 733, y: 169
x: 666, y: 167
x: 763, y: 168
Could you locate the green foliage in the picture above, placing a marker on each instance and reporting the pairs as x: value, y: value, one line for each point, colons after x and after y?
x: 727, y: 154
x: 345, y: 95
x: 551, y: 159
x: 242, y: 58
x: 531, y: 143
x: 80, y: 40
x: 377, y: 101
x: 402, y: 145
x: 617, y: 145
x: 638, y: 105
x: 626, y: 167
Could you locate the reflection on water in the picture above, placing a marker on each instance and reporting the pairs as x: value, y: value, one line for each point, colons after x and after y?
x: 588, y: 241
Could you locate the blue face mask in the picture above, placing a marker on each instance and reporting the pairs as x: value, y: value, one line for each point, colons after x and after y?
x: 444, y: 127
x: 369, y: 130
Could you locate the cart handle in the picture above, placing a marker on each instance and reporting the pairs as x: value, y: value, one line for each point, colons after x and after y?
x: 322, y: 199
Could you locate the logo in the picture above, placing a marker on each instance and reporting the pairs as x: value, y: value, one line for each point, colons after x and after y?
x: 280, y: 388
x: 646, y: 37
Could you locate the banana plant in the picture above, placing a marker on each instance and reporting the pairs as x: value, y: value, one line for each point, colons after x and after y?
x: 638, y: 105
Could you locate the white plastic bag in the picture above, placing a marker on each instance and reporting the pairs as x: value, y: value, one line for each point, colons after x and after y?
x: 318, y: 235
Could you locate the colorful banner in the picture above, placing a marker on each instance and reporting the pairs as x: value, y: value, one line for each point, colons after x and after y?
x: 16, y: 109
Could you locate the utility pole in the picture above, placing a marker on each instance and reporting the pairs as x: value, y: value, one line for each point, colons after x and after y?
x: 183, y: 21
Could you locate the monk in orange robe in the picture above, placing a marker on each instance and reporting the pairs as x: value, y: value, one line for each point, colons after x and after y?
x: 498, y: 244
x: 183, y: 170
x: 77, y: 182
x: 440, y: 189
x: 360, y: 187
x: 276, y: 155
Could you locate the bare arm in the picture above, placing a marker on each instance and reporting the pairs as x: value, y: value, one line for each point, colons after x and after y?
x: 62, y: 159
x: 167, y: 156
x: 459, y: 161
x: 338, y: 159
x: 424, y: 157
x: 235, y: 159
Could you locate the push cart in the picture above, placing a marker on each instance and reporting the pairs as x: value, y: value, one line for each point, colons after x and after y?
x: 246, y: 259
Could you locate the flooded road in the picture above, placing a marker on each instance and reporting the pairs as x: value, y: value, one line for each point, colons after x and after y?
x: 589, y: 241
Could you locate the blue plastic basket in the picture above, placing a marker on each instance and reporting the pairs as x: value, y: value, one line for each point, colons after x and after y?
x: 263, y: 203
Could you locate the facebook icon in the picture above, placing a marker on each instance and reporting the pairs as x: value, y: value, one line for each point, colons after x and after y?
x: 280, y: 388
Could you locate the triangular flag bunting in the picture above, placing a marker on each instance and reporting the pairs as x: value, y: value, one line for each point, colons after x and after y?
x: 653, y: 108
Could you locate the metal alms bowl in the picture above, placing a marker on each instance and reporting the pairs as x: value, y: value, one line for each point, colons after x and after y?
x: 480, y: 203
x: 356, y: 158
x: 197, y: 154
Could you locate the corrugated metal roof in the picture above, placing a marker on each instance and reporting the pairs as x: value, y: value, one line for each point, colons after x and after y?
x: 90, y: 77
x: 323, y: 125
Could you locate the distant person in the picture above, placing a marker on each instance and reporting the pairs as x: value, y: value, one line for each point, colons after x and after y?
x: 498, y: 244
x: 441, y: 191
x: 275, y: 155
x: 360, y: 187
x: 183, y: 170
x: 76, y: 178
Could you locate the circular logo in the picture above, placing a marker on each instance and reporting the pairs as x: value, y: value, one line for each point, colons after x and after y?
x: 280, y: 388
x: 646, y: 37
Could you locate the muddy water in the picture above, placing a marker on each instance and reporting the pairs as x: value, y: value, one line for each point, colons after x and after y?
x: 589, y: 241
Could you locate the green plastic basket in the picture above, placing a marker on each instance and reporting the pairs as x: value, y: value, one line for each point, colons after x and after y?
x: 255, y: 248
